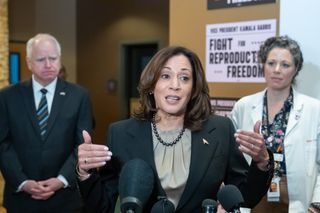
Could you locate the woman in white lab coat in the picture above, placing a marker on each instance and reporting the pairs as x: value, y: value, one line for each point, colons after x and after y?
x: 290, y: 125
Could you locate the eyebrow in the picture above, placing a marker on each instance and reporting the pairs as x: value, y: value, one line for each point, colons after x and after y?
x: 187, y: 69
x: 183, y: 69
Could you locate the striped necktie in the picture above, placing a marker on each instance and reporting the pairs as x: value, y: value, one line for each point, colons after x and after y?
x: 43, y: 114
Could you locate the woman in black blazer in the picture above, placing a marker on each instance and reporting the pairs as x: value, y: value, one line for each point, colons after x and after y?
x: 190, y: 151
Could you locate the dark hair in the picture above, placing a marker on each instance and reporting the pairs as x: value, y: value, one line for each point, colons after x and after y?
x: 198, y: 108
x: 284, y: 42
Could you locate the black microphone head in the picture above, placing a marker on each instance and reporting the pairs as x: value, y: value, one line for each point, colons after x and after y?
x: 163, y: 206
x: 230, y: 197
x: 209, y: 205
x: 135, y: 185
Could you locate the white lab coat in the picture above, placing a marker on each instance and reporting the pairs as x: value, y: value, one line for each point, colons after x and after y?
x: 302, y: 144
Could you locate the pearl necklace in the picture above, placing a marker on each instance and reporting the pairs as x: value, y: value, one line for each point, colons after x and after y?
x: 156, y: 133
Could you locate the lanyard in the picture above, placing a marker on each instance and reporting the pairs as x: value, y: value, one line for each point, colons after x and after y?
x: 274, y: 133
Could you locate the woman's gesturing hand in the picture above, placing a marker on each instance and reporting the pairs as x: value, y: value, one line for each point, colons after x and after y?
x: 91, y: 156
x: 252, y: 143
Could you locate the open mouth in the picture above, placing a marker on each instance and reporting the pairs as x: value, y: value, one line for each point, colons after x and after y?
x: 172, y: 98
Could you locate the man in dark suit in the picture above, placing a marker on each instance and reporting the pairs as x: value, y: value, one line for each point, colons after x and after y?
x: 41, y: 126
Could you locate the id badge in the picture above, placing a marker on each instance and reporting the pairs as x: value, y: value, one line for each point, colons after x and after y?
x: 278, y: 157
x: 273, y: 194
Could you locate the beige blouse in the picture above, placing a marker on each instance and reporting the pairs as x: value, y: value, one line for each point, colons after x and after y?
x: 173, y: 162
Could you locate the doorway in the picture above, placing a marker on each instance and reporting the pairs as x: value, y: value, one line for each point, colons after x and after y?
x: 136, y: 57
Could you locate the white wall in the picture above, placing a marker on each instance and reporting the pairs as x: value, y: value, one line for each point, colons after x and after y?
x: 301, y: 21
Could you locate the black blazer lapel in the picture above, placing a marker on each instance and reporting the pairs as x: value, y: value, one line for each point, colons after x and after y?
x: 201, y: 155
x: 60, y: 95
x: 142, y: 140
x: 143, y: 145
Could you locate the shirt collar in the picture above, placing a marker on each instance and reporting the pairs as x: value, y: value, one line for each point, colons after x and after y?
x: 50, y: 87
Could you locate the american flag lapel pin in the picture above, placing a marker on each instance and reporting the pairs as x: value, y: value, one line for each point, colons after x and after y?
x: 205, y: 142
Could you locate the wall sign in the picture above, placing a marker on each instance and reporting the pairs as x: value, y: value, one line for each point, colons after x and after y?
x: 223, y: 106
x: 216, y: 4
x: 232, y: 50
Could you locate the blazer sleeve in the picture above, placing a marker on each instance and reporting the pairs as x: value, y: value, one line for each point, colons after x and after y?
x: 251, y: 181
x: 84, y: 122
x: 100, y: 190
x: 9, y: 163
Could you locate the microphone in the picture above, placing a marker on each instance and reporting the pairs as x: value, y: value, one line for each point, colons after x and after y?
x: 135, y: 185
x: 230, y: 198
x: 163, y: 205
x: 209, y: 206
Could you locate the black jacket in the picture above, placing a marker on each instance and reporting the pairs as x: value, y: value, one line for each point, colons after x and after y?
x: 211, y: 164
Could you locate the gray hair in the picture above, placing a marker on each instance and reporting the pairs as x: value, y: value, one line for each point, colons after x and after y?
x: 284, y: 42
x: 40, y: 36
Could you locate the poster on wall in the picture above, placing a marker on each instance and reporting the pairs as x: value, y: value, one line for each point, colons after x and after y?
x: 223, y: 106
x: 232, y: 50
x: 216, y: 4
